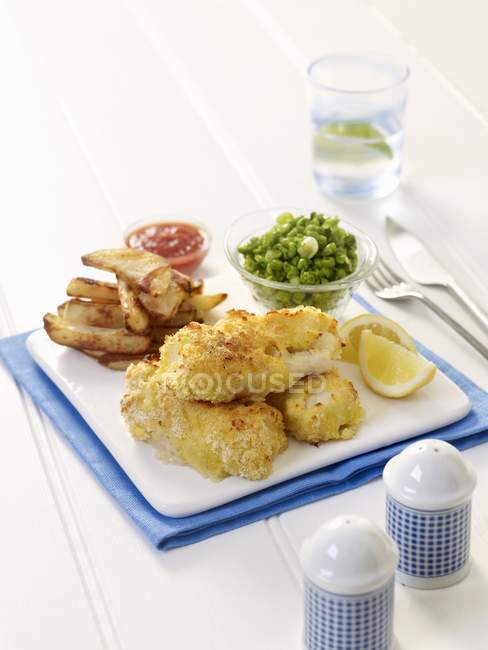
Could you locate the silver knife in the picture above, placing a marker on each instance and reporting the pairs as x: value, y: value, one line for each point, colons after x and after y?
x: 424, y: 269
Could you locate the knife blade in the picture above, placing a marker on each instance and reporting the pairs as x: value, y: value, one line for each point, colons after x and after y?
x: 424, y: 269
x: 417, y: 261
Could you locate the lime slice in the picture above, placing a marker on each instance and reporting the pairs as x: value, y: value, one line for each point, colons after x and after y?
x: 339, y: 139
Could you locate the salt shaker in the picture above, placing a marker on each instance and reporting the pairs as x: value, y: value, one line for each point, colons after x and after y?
x: 349, y: 566
x: 428, y: 513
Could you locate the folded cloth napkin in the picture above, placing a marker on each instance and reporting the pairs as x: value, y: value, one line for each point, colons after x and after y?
x: 168, y: 532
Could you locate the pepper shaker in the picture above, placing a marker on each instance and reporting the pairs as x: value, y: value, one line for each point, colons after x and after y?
x: 428, y: 513
x: 349, y: 566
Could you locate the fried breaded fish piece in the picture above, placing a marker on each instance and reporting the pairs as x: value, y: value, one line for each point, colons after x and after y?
x: 316, y: 409
x: 202, y: 362
x: 306, y: 337
x: 217, y: 440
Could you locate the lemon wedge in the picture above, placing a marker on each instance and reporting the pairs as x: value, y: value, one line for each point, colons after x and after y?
x: 350, y: 332
x: 390, y: 369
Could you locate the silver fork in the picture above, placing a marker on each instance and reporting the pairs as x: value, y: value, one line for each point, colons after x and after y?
x: 387, y: 284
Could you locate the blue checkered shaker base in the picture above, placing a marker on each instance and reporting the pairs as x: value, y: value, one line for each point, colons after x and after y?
x: 431, y: 544
x: 334, y: 622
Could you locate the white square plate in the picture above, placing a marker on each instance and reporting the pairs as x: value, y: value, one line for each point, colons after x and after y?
x: 176, y: 490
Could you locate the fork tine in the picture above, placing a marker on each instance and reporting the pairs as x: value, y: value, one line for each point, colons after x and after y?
x: 373, y: 283
x: 382, y: 276
x: 389, y: 272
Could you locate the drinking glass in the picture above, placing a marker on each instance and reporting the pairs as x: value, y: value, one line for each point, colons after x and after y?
x: 357, y: 104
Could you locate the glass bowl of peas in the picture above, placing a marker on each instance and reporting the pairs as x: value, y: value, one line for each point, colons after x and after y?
x: 290, y: 257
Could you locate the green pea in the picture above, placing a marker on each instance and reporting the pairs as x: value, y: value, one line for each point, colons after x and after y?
x: 276, y: 265
x: 308, y: 277
x: 292, y: 250
x: 285, y: 218
x: 310, y: 249
x: 282, y: 297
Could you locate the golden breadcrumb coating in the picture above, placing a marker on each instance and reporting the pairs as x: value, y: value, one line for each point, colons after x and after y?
x: 321, y: 408
x: 293, y: 329
x: 201, y: 362
x: 306, y: 337
x: 217, y: 440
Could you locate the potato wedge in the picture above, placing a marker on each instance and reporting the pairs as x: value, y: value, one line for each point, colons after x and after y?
x: 121, y: 362
x: 182, y: 281
x: 145, y: 271
x: 159, y: 335
x: 118, y: 364
x: 165, y: 306
x: 93, y: 353
x: 136, y: 318
x: 197, y: 287
x: 96, y: 290
x: 93, y: 314
x: 94, y: 338
x: 204, y: 303
x: 180, y: 318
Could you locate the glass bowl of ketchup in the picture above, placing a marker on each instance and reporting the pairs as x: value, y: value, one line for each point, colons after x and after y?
x: 184, y: 244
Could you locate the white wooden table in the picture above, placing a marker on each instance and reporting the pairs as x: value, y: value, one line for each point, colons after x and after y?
x: 113, y: 110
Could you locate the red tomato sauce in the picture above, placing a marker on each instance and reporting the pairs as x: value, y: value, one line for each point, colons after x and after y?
x: 184, y: 245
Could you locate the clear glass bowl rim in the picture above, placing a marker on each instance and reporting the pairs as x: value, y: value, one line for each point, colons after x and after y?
x: 363, y: 55
x: 362, y: 271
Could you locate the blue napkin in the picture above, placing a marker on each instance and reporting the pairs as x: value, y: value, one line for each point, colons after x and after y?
x: 168, y: 532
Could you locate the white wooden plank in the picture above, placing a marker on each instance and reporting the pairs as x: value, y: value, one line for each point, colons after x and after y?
x: 433, y: 28
x: 41, y: 593
x: 41, y: 571
x: 145, y: 144
x: 52, y: 209
x: 122, y: 559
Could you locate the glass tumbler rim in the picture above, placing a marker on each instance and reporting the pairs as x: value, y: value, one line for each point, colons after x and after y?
x: 385, y: 57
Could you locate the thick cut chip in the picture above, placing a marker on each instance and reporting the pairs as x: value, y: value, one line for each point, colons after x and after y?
x: 136, y: 318
x: 119, y: 361
x: 96, y: 290
x: 182, y: 317
x: 83, y: 337
x: 159, y: 334
x: 204, y: 303
x: 93, y: 314
x: 197, y: 287
x: 167, y: 304
x: 148, y: 272
x: 93, y: 353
